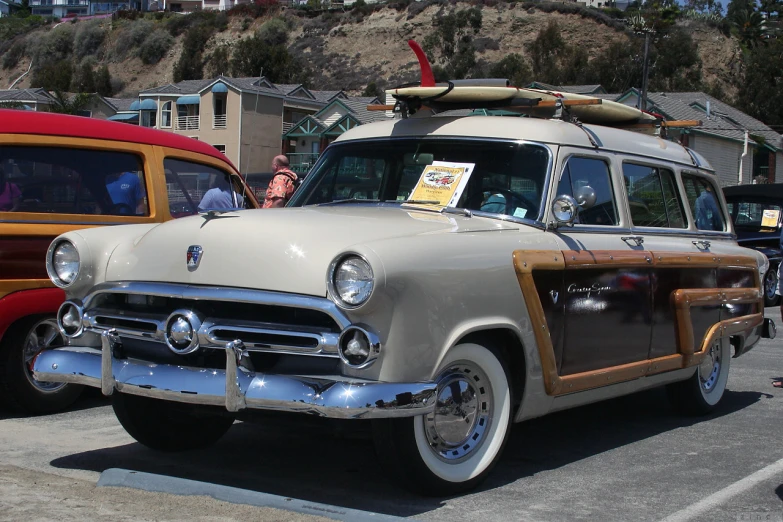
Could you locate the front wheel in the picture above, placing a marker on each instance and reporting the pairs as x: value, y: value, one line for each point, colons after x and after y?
x: 771, y: 298
x: 455, y: 447
x: 21, y: 344
x: 700, y: 394
x: 166, y: 426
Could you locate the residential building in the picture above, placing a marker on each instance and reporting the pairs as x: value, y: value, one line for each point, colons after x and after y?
x: 246, y: 118
x: 7, y: 7
x: 591, y: 90
x: 60, y: 8
x: 29, y: 99
x: 721, y: 136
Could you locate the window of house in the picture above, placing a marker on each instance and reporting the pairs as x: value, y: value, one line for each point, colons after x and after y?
x: 221, y: 148
x: 86, y: 114
x: 165, y: 115
x: 703, y: 200
x: 148, y: 118
x: 60, y: 180
x: 652, y: 197
x: 593, y: 173
x: 220, y: 106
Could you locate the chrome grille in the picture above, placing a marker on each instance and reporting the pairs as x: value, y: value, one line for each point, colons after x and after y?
x: 264, y: 321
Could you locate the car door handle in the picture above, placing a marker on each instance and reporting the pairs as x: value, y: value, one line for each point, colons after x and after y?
x: 636, y: 239
x: 702, y: 245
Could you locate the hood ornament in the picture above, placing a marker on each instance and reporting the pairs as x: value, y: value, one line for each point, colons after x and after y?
x: 194, y: 256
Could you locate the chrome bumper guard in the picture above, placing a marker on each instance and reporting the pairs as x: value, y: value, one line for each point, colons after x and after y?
x: 237, y: 388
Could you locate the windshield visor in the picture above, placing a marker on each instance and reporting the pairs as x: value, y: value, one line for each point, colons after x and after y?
x: 503, y: 177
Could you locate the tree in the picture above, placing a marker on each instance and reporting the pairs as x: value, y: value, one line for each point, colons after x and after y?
x: 190, y: 65
x: 53, y: 76
x: 515, y: 68
x: 65, y: 105
x: 450, y: 45
x: 751, y: 27
x: 84, y: 79
x: 254, y: 54
x: 763, y: 83
x: 373, y: 91
x: 102, y: 81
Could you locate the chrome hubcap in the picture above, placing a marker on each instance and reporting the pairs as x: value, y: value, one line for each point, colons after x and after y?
x: 463, y: 412
x: 44, y: 336
x: 771, y: 283
x: 709, y: 369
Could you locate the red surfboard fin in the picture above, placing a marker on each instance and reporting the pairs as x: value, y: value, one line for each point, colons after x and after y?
x: 427, y: 78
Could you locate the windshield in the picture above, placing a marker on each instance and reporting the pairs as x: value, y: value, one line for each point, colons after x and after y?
x: 754, y: 213
x: 503, y: 177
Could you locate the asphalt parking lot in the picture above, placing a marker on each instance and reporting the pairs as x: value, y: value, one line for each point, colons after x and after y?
x: 631, y: 458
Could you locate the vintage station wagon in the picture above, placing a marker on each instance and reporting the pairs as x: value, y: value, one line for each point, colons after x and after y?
x: 60, y: 173
x: 571, y: 265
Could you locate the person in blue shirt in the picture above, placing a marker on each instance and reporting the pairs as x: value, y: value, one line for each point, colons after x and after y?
x: 219, y: 196
x: 126, y: 193
x: 708, y: 215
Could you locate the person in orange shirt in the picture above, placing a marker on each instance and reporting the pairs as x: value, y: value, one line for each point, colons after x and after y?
x: 282, y: 185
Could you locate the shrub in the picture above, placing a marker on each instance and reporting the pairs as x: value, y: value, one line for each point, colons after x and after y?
x: 274, y: 32
x: 132, y: 37
x: 53, y: 76
x: 14, y: 54
x: 54, y: 46
x: 155, y: 47
x: 88, y: 38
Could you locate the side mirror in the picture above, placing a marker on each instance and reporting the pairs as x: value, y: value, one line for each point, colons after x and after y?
x: 564, y: 209
x: 585, y: 197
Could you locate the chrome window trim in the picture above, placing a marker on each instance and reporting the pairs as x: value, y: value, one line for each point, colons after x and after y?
x: 544, y: 189
x: 673, y: 171
x: 212, y: 293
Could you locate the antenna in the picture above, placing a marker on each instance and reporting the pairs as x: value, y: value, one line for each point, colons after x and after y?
x: 250, y: 144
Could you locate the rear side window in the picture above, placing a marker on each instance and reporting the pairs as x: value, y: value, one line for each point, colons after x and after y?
x: 194, y: 187
x: 652, y: 197
x: 60, y: 180
x: 582, y: 173
x: 703, y: 200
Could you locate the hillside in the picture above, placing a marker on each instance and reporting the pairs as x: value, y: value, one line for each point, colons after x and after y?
x: 348, y: 51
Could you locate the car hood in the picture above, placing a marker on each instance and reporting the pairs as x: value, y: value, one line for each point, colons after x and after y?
x: 287, y: 250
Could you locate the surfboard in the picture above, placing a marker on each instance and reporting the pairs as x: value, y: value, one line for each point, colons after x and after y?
x: 472, y: 94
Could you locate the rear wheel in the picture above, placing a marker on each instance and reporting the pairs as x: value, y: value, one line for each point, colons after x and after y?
x: 166, y: 426
x: 771, y: 286
x: 454, y: 448
x: 700, y: 394
x: 23, y: 341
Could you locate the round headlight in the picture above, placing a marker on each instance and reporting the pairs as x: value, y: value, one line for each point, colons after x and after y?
x: 352, y: 281
x: 64, y: 264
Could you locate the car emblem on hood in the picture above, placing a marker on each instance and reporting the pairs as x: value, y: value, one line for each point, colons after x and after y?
x: 194, y: 256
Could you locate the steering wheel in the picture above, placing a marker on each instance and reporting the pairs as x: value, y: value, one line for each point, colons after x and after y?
x: 122, y: 209
x: 509, y: 195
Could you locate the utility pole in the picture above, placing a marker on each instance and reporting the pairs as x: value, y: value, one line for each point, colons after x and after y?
x: 645, y: 71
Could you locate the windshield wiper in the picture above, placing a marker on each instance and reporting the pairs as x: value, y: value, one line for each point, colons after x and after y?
x: 350, y: 200
x: 415, y: 201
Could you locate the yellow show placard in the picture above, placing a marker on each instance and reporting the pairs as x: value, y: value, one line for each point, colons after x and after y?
x: 442, y: 183
x: 770, y: 218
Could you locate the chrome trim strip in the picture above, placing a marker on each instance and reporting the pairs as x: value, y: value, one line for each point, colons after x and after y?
x: 212, y: 293
x: 235, y: 388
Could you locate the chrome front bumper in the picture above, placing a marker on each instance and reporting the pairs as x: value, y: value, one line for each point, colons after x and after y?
x: 236, y: 388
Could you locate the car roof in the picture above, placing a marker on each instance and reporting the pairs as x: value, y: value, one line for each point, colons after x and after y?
x: 50, y: 124
x: 530, y: 129
x: 763, y: 190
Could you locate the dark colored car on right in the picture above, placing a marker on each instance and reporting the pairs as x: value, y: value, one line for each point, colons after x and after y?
x: 756, y: 211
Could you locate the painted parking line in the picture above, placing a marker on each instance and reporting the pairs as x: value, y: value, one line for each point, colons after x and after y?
x: 116, y: 477
x: 720, y: 497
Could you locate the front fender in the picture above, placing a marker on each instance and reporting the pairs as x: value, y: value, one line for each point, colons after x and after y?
x: 24, y: 303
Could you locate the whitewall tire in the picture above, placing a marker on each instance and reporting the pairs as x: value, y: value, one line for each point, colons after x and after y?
x: 702, y: 393
x: 454, y: 448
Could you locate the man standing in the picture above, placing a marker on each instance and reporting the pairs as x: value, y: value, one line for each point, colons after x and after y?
x: 282, y: 185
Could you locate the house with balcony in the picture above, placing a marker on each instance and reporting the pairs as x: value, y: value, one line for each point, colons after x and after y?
x: 242, y: 117
x: 60, y: 8
x: 8, y: 7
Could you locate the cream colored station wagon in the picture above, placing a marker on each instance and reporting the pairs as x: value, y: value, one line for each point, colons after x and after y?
x: 571, y: 264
